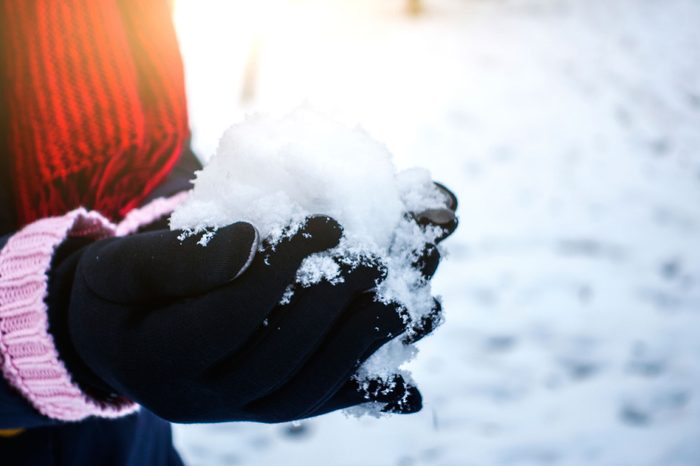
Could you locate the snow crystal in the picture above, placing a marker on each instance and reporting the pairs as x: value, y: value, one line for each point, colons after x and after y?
x: 276, y: 171
x: 286, y: 296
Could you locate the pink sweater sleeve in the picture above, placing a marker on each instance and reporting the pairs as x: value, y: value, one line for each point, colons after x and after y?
x: 28, y: 356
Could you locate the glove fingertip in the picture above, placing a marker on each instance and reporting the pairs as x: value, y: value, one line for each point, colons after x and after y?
x: 322, y: 232
x: 429, y: 261
x: 411, y: 402
x: 442, y: 217
x: 426, y: 325
x: 233, y: 247
x: 366, y: 276
x: 448, y: 229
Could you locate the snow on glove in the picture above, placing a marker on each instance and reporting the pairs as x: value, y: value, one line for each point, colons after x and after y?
x: 445, y: 218
x: 196, y: 334
x: 428, y: 262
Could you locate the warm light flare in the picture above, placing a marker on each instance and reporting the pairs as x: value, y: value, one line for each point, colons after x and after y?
x: 273, y: 55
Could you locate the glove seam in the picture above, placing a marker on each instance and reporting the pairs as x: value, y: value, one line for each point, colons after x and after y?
x: 253, y: 251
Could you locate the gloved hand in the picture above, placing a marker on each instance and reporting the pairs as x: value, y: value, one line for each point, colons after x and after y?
x: 446, y: 220
x: 196, y: 334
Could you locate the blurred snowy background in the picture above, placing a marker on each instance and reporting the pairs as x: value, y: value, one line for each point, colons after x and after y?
x: 570, y: 130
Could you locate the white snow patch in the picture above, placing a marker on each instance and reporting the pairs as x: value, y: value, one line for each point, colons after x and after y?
x: 274, y: 172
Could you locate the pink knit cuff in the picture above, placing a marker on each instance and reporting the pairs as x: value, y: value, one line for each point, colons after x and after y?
x: 28, y: 356
x: 149, y: 213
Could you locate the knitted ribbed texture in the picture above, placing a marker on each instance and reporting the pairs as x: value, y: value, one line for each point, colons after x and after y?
x: 97, y: 98
x: 29, y: 359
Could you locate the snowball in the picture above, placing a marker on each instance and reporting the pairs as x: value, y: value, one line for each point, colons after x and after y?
x: 272, y: 172
x: 275, y: 172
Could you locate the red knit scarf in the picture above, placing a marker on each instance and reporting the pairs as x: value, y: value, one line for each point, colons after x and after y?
x: 95, y: 91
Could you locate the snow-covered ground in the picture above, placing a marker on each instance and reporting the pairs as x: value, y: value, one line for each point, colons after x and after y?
x: 570, y: 130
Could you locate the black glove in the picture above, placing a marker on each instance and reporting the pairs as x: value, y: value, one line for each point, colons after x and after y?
x: 445, y: 218
x: 196, y: 334
x: 429, y: 260
x: 399, y: 396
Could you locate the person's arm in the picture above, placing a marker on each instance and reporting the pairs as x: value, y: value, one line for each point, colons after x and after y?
x: 15, y: 409
x: 35, y: 389
x: 33, y: 372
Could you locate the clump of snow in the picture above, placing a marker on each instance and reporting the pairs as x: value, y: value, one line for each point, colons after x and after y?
x: 273, y: 172
x: 276, y: 171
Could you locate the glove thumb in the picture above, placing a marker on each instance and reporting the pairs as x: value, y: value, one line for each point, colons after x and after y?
x: 159, y: 265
